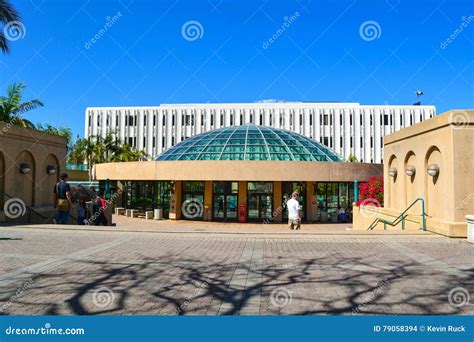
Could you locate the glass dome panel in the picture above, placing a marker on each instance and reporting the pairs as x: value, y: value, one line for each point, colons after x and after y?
x: 250, y: 142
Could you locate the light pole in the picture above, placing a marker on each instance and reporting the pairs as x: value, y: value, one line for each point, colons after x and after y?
x: 418, y: 94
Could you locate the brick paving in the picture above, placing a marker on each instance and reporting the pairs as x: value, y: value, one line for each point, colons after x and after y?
x: 67, y: 272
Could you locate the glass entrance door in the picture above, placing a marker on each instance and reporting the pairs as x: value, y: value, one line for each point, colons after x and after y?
x: 259, y: 201
x: 192, y: 207
x: 225, y: 201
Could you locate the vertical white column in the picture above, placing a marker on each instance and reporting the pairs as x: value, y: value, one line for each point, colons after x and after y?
x: 227, y: 114
x: 159, y: 131
x: 406, y: 118
x: 198, y: 120
x: 337, y: 131
x: 149, y: 133
x: 306, y: 125
x: 140, y: 129
x: 377, y: 134
x: 95, y: 122
x: 368, y: 117
x: 122, y: 125
x: 179, y: 125
x: 169, y: 128
x: 207, y: 120
x: 266, y: 116
x: 357, y: 133
x: 103, y: 123
x: 246, y: 115
x: 87, y: 131
x: 276, y: 117
x: 316, y: 125
x: 346, y: 129
x: 287, y: 115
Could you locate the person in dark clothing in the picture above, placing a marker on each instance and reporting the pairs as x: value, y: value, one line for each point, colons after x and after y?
x: 62, y: 200
x: 98, y: 208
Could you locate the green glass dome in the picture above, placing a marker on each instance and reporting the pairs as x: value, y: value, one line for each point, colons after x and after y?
x: 249, y: 142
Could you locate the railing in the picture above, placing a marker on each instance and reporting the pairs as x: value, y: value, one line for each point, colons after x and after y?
x: 29, y: 211
x: 401, y: 217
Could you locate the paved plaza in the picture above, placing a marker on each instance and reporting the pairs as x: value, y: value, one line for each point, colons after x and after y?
x: 77, y: 272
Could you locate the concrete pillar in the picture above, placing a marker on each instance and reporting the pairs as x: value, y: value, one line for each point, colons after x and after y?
x: 207, y: 215
x: 243, y: 194
x: 176, y: 201
x: 311, y: 202
x: 277, y: 202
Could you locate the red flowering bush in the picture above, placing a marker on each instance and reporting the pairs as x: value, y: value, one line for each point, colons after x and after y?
x: 371, y: 193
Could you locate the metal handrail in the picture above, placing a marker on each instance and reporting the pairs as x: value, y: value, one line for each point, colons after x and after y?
x: 27, y: 207
x: 401, y: 217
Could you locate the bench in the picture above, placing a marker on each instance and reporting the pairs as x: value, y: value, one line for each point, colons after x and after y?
x: 119, y: 211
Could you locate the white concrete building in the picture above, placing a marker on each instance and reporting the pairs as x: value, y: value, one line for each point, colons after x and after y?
x: 346, y: 128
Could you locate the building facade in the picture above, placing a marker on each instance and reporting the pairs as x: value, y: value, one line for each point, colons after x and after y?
x: 346, y: 128
x: 429, y: 164
x: 239, y: 173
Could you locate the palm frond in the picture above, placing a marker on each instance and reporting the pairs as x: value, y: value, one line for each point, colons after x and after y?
x: 8, y: 12
x: 27, y: 106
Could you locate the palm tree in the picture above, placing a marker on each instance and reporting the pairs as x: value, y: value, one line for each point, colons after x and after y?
x: 61, y: 131
x: 8, y: 14
x: 12, y: 109
x: 128, y: 153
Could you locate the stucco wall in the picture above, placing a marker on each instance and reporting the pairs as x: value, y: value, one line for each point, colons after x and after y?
x: 37, y: 149
x: 447, y: 141
x: 225, y: 170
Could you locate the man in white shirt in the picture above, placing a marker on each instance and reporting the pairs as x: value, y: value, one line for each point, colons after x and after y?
x: 294, y: 220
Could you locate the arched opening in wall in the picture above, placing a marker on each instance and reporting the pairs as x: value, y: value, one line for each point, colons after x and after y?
x: 411, y: 176
x: 24, y: 178
x: 2, y: 179
x: 433, y: 174
x: 393, y: 183
x: 49, y: 176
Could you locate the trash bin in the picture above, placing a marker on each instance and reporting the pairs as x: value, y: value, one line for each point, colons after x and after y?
x: 470, y: 228
x: 158, y: 215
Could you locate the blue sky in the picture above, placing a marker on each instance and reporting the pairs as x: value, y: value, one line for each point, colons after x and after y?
x: 322, y: 53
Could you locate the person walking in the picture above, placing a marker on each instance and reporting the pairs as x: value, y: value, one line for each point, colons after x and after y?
x: 294, y: 220
x: 62, y: 200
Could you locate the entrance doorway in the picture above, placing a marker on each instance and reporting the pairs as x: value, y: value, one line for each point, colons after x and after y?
x: 259, y: 201
x: 225, y: 201
x: 287, y: 188
x: 192, y: 207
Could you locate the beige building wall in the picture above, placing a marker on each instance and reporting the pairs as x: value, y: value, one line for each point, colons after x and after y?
x: 446, y: 141
x: 39, y: 151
